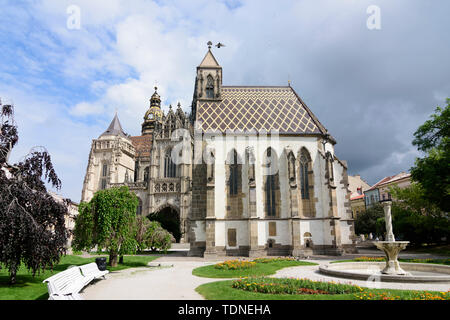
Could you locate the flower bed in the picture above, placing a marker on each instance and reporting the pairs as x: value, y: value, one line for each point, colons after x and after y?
x: 235, y: 265
x: 415, y: 295
x: 268, y: 260
x: 293, y: 286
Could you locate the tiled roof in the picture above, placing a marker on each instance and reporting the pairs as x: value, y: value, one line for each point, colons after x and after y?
x: 359, y: 196
x: 386, y: 180
x: 143, y: 145
x: 115, y: 128
x: 258, y: 108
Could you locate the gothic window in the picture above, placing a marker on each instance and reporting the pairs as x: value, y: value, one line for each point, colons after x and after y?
x: 271, y: 185
x: 304, y: 181
x: 234, y: 185
x: 234, y: 175
x: 136, y: 171
x: 103, y: 184
x: 139, y: 208
x: 170, y: 168
x: 210, y: 88
x: 105, y: 170
x: 146, y: 174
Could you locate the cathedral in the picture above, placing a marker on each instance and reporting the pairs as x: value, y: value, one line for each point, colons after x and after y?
x: 250, y: 171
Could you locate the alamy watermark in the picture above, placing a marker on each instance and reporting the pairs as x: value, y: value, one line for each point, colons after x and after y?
x: 374, y: 19
x: 74, y: 17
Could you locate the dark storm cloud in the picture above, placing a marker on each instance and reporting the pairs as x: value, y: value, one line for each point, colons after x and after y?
x: 370, y: 88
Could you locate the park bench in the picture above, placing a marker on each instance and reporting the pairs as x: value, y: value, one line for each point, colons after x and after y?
x: 92, y: 269
x: 67, y: 284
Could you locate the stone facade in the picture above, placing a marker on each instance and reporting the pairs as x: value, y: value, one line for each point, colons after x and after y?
x: 146, y: 164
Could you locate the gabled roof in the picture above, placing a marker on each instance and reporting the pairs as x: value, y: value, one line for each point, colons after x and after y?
x: 209, y: 61
x: 114, y: 129
x: 386, y: 180
x: 258, y: 108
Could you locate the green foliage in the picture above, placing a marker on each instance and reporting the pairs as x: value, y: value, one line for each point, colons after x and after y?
x: 370, y: 221
x: 151, y: 235
x: 108, y: 221
x: 417, y: 219
x: 433, y: 171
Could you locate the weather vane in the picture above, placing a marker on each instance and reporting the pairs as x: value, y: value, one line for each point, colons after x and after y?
x: 219, y: 45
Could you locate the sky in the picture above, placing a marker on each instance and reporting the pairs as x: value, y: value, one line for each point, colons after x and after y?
x: 67, y: 73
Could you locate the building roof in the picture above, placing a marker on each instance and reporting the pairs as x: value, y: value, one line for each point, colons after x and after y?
x: 359, y: 196
x: 209, y: 61
x: 115, y: 128
x: 390, y: 179
x: 258, y: 108
x: 142, y: 144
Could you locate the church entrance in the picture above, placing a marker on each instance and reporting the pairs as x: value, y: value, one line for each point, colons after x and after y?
x: 169, y: 218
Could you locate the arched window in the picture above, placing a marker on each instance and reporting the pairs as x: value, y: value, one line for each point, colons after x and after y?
x: 271, y: 184
x: 170, y: 168
x: 234, y: 205
x: 234, y: 174
x: 139, y: 208
x: 210, y: 88
x: 146, y: 174
x: 304, y: 182
x: 105, y: 170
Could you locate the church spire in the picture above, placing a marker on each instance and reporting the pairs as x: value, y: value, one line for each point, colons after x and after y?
x: 154, y: 114
x: 209, y: 77
x: 115, y: 128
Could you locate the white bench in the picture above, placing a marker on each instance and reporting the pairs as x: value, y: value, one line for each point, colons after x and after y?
x: 67, y: 284
x: 92, y: 269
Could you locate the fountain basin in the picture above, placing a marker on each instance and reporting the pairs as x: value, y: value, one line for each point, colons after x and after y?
x: 370, y: 271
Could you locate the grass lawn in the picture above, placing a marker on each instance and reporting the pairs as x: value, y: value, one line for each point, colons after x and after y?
x: 222, y: 290
x: 434, y: 249
x: 32, y: 288
x: 260, y: 269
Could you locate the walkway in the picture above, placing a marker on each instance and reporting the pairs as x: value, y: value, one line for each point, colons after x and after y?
x: 178, y: 283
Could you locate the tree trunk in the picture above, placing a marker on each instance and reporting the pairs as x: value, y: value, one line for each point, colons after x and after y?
x: 12, y: 279
x: 121, y: 260
x: 113, y: 259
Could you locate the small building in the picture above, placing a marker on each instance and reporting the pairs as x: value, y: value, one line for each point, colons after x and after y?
x: 357, y: 188
x: 70, y: 217
x: 380, y: 190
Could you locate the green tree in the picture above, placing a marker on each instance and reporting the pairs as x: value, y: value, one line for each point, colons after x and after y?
x: 369, y: 221
x: 108, y: 222
x: 151, y: 235
x: 433, y: 170
x: 417, y: 219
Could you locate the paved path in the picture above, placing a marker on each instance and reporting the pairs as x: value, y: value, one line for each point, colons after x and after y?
x: 178, y: 283
x: 166, y: 283
x: 311, y: 272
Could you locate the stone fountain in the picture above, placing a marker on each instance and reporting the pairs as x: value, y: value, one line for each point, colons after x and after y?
x: 391, y: 247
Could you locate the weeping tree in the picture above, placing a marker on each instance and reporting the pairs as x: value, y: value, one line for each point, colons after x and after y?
x: 32, y: 222
x: 108, y: 222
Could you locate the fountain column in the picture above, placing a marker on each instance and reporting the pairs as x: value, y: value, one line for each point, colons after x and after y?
x: 391, y: 247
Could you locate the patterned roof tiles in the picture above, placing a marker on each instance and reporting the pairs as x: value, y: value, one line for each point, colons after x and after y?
x: 258, y: 108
